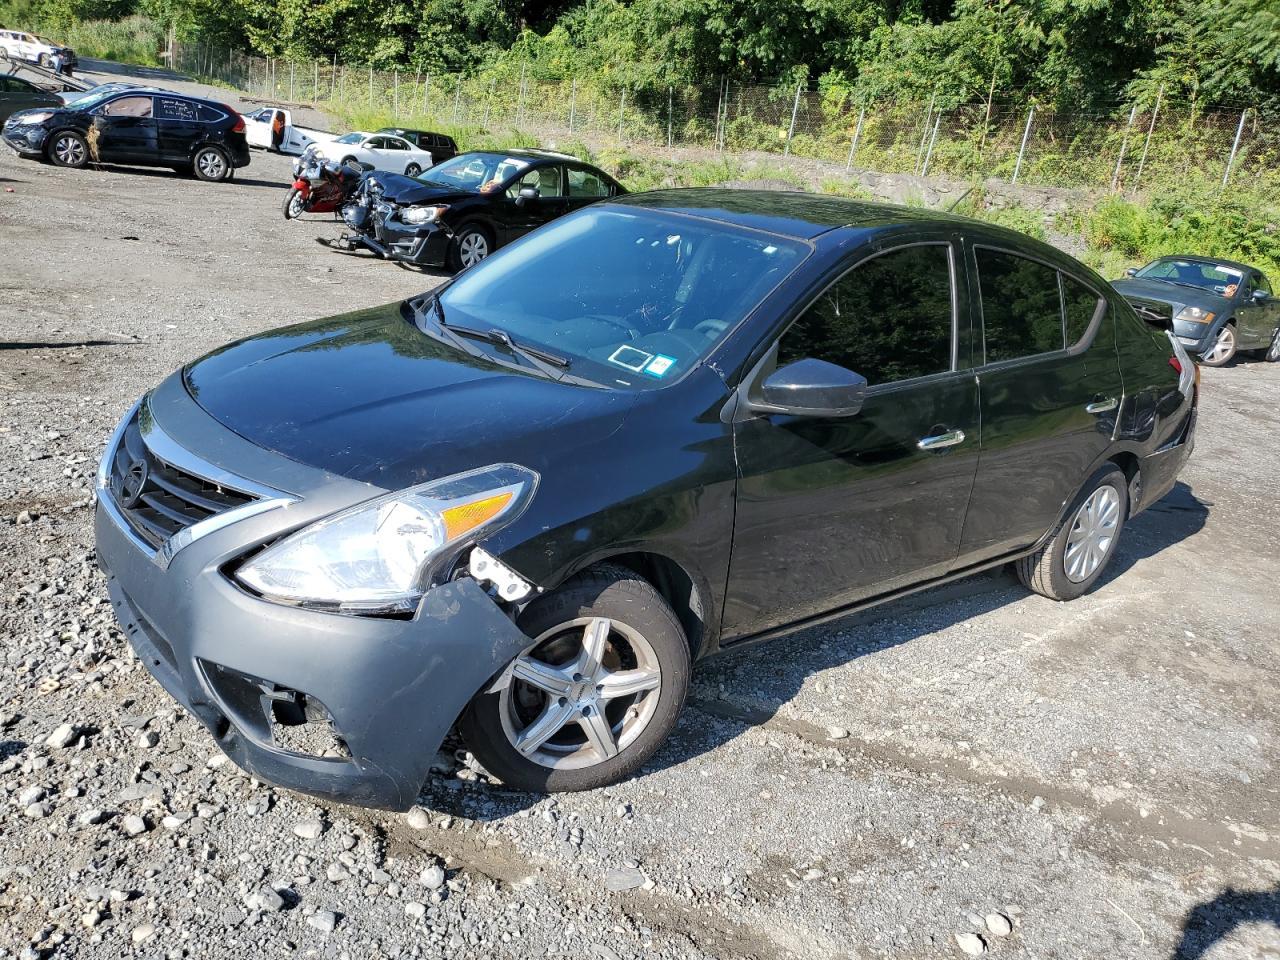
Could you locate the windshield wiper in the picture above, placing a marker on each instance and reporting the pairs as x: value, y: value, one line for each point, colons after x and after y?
x: 440, y: 330
x: 545, y: 361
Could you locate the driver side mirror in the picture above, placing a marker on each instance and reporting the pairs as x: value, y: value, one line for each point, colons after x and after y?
x: 1260, y: 296
x: 811, y: 388
x: 1131, y: 272
x: 526, y: 194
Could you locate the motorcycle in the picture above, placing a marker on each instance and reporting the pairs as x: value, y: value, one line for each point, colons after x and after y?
x: 320, y: 186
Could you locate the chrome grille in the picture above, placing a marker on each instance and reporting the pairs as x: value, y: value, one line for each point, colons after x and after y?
x: 158, y: 499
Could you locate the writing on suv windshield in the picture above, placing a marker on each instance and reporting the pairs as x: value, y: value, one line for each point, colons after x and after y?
x: 632, y: 297
x: 1194, y: 273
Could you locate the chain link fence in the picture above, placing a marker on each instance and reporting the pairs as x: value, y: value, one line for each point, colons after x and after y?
x: 1118, y: 147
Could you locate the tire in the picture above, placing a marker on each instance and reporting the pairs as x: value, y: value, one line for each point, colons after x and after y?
x: 1223, y: 350
x: 349, y: 162
x: 67, y: 148
x: 42, y: 60
x: 1050, y: 571
x: 643, y: 637
x: 211, y: 164
x: 294, y: 205
x: 412, y: 170
x: 470, y: 245
x: 1272, y: 353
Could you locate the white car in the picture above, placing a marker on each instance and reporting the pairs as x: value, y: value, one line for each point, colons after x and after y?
x: 27, y: 46
x: 272, y: 128
x: 382, y: 151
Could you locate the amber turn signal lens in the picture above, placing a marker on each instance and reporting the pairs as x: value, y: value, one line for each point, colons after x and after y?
x: 467, y: 516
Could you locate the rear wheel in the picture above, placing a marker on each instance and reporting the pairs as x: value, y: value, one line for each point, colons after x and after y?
x: 1079, y: 550
x: 1223, y: 348
x: 593, y: 696
x: 412, y: 170
x: 1273, y: 351
x: 211, y: 164
x: 294, y: 204
x: 68, y: 149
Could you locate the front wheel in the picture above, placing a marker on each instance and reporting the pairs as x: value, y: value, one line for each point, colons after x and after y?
x: 294, y: 204
x: 1079, y: 550
x: 1223, y: 348
x: 412, y: 170
x: 68, y: 149
x: 211, y: 164
x: 593, y: 696
x: 469, y: 247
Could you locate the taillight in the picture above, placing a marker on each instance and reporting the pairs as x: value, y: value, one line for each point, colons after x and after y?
x: 239, y: 127
x: 1177, y: 365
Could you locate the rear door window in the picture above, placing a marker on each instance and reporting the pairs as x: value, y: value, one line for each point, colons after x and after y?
x: 890, y: 318
x: 1080, y: 304
x: 584, y: 183
x: 1021, y: 306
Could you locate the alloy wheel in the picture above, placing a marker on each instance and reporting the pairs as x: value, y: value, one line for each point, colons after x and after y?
x: 1224, y: 345
x: 1093, y: 534
x: 473, y: 248
x: 1273, y: 352
x: 70, y: 151
x: 211, y: 164
x: 581, y: 694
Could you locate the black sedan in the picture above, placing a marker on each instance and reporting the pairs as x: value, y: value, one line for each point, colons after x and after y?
x: 1217, y: 307
x: 460, y: 211
x: 17, y: 93
x: 139, y: 126
x: 665, y: 426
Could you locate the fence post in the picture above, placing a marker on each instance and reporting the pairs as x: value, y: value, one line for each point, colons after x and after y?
x: 520, y: 102
x: 791, y: 131
x: 924, y: 171
x: 1026, y: 132
x: 1235, y: 145
x: 857, y: 133
x: 1124, y: 145
x: 395, y: 109
x: 724, y: 82
x: 457, y: 99
x: 333, y: 77
x: 924, y: 134
x: 292, y: 70
x: 670, y: 113
x: 371, y: 85
x: 315, y: 81
x: 622, y: 112
x: 488, y: 102
x: 426, y: 95
x: 573, y: 103
x: 1150, y: 130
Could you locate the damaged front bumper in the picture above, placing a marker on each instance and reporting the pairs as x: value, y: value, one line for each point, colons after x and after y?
x: 344, y: 707
x: 26, y: 139
x: 424, y: 245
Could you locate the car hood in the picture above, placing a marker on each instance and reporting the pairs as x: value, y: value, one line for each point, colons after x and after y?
x: 397, y: 188
x: 368, y: 396
x: 1172, y: 293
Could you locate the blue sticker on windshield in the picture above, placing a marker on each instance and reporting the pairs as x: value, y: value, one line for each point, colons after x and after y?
x: 659, y: 365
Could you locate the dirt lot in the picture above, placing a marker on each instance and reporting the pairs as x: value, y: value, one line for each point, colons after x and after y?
x: 1102, y: 774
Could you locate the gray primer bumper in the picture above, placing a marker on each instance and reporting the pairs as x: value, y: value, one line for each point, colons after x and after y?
x: 392, y: 687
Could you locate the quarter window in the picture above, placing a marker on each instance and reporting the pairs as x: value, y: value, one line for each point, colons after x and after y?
x: 889, y: 318
x: 1021, y: 306
x: 1081, y: 304
x: 584, y: 183
x: 168, y: 108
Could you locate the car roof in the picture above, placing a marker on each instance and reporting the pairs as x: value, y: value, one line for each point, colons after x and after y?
x: 1195, y: 258
x: 801, y: 216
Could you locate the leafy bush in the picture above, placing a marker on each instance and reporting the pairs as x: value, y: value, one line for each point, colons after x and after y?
x: 134, y: 39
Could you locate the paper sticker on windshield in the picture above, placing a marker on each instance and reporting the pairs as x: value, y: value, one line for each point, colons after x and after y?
x: 631, y: 358
x: 659, y: 365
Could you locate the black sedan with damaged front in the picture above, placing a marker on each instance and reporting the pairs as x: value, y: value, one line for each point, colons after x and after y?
x: 664, y: 426
x: 460, y: 211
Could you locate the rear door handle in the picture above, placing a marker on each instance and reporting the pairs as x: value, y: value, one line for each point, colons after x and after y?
x: 941, y: 441
x: 1102, y: 406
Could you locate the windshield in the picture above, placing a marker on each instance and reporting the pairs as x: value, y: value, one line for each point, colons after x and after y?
x: 632, y: 297
x: 475, y: 171
x: 94, y: 97
x: 350, y: 138
x: 1205, y: 274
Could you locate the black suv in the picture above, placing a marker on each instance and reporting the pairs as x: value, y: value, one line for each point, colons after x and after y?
x: 440, y: 146
x: 664, y: 426
x: 142, y: 126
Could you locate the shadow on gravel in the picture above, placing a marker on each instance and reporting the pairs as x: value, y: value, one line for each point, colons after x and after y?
x: 1210, y: 922
x: 1177, y: 516
x: 165, y: 173
x: 63, y: 345
x: 11, y: 748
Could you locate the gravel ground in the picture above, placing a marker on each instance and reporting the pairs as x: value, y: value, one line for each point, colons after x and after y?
x: 974, y: 769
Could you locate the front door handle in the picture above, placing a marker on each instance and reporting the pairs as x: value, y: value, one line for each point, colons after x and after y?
x: 1102, y: 406
x: 941, y: 441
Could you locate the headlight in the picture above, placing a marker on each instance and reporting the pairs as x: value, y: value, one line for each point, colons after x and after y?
x: 1194, y: 315
x: 422, y: 214
x: 38, y: 117
x: 381, y: 556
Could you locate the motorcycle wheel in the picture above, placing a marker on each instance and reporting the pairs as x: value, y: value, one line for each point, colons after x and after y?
x: 294, y: 205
